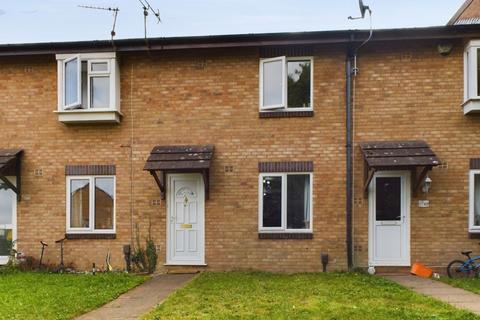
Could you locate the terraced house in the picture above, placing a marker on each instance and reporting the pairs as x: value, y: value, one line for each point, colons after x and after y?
x: 258, y: 151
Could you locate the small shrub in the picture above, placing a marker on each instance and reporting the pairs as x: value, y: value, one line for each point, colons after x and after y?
x: 152, y: 256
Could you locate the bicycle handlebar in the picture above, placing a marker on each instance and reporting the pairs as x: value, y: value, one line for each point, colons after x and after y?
x: 43, y: 244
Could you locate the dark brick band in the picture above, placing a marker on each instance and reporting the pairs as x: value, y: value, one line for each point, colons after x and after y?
x: 289, y: 51
x: 287, y: 166
x: 95, y: 236
x: 285, y: 114
x: 475, y: 163
x: 285, y: 236
x: 97, y: 170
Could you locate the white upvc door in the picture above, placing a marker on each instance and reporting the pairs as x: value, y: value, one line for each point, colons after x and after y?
x: 185, y: 219
x: 8, y: 219
x: 389, y: 219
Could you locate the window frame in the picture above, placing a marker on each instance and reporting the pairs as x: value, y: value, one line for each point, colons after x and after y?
x: 471, y: 71
x: 97, y: 74
x: 471, y: 201
x: 114, y: 84
x: 91, y: 214
x: 79, y: 83
x: 283, y: 228
x: 284, y: 106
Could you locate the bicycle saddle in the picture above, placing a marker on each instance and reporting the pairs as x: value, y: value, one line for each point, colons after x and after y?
x: 466, y: 253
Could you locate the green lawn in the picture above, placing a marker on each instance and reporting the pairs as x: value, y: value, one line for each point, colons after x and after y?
x: 300, y: 296
x: 32, y: 295
x: 472, y: 284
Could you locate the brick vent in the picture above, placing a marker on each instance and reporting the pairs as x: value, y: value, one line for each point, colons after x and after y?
x: 83, y: 170
x: 287, y: 166
x: 289, y: 51
x: 285, y: 236
x: 73, y: 236
x: 475, y: 163
x: 285, y: 114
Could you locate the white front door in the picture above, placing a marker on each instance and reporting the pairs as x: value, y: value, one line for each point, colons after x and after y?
x: 389, y: 219
x: 8, y: 217
x: 185, y: 221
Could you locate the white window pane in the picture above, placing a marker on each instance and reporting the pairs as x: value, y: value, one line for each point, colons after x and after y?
x: 100, y: 92
x: 104, y: 203
x: 298, y: 201
x: 272, y: 83
x: 6, y: 204
x: 298, y: 83
x: 99, y: 66
x: 476, y: 215
x: 79, y: 203
x: 272, y: 202
x: 71, y: 82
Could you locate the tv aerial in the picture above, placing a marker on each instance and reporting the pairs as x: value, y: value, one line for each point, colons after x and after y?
x: 147, y: 8
x: 363, y: 10
x: 111, y: 9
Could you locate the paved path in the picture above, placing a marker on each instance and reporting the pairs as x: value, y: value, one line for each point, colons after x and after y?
x: 457, y: 297
x: 140, y: 300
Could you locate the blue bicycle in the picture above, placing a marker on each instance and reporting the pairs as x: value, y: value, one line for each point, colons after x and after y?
x: 464, y: 269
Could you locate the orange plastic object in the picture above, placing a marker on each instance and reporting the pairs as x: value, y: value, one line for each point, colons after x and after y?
x: 421, y: 270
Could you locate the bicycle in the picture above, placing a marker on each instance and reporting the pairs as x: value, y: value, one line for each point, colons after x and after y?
x: 464, y: 269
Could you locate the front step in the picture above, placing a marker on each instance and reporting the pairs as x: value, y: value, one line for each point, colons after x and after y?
x: 406, y: 270
x: 392, y: 270
x: 183, y: 269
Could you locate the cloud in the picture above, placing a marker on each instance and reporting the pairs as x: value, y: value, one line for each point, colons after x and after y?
x: 2, y: 12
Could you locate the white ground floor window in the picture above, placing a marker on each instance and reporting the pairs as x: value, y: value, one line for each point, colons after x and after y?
x: 91, y: 204
x: 285, y: 202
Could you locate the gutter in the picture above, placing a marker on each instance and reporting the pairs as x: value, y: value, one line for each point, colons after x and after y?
x: 348, y: 153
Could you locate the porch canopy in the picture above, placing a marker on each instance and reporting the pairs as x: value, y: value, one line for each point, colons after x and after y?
x: 397, y: 155
x: 179, y: 159
x: 10, y: 165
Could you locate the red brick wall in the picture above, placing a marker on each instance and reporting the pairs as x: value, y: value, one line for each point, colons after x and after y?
x: 410, y: 92
x: 195, y: 98
x: 404, y: 91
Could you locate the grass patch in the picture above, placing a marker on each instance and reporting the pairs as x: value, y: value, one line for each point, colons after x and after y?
x: 472, y: 284
x: 35, y: 295
x: 239, y: 295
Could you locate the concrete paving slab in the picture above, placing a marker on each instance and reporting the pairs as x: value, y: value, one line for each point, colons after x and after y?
x: 138, y: 301
x: 455, y: 296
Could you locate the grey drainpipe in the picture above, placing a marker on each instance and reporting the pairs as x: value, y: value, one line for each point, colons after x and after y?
x: 348, y: 107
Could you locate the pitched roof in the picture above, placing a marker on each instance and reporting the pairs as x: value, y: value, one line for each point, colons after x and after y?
x: 394, y: 154
x: 179, y: 158
x: 241, y: 40
x: 467, y: 14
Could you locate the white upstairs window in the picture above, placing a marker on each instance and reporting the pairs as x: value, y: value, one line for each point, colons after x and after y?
x: 471, y: 78
x: 88, y: 88
x: 286, y: 83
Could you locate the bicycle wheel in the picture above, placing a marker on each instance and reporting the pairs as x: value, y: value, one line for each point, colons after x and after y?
x: 458, y: 269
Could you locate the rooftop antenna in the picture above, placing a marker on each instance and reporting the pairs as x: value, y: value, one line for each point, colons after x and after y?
x: 146, y: 9
x: 363, y: 9
x: 115, y: 14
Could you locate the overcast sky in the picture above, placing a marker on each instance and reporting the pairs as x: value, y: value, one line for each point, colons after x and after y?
x: 62, y: 20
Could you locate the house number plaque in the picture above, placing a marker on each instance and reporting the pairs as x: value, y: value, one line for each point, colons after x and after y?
x: 186, y: 226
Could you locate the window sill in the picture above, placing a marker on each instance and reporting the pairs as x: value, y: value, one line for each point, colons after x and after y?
x: 285, y: 235
x: 74, y: 236
x: 285, y: 114
x: 89, y: 116
x: 471, y: 106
